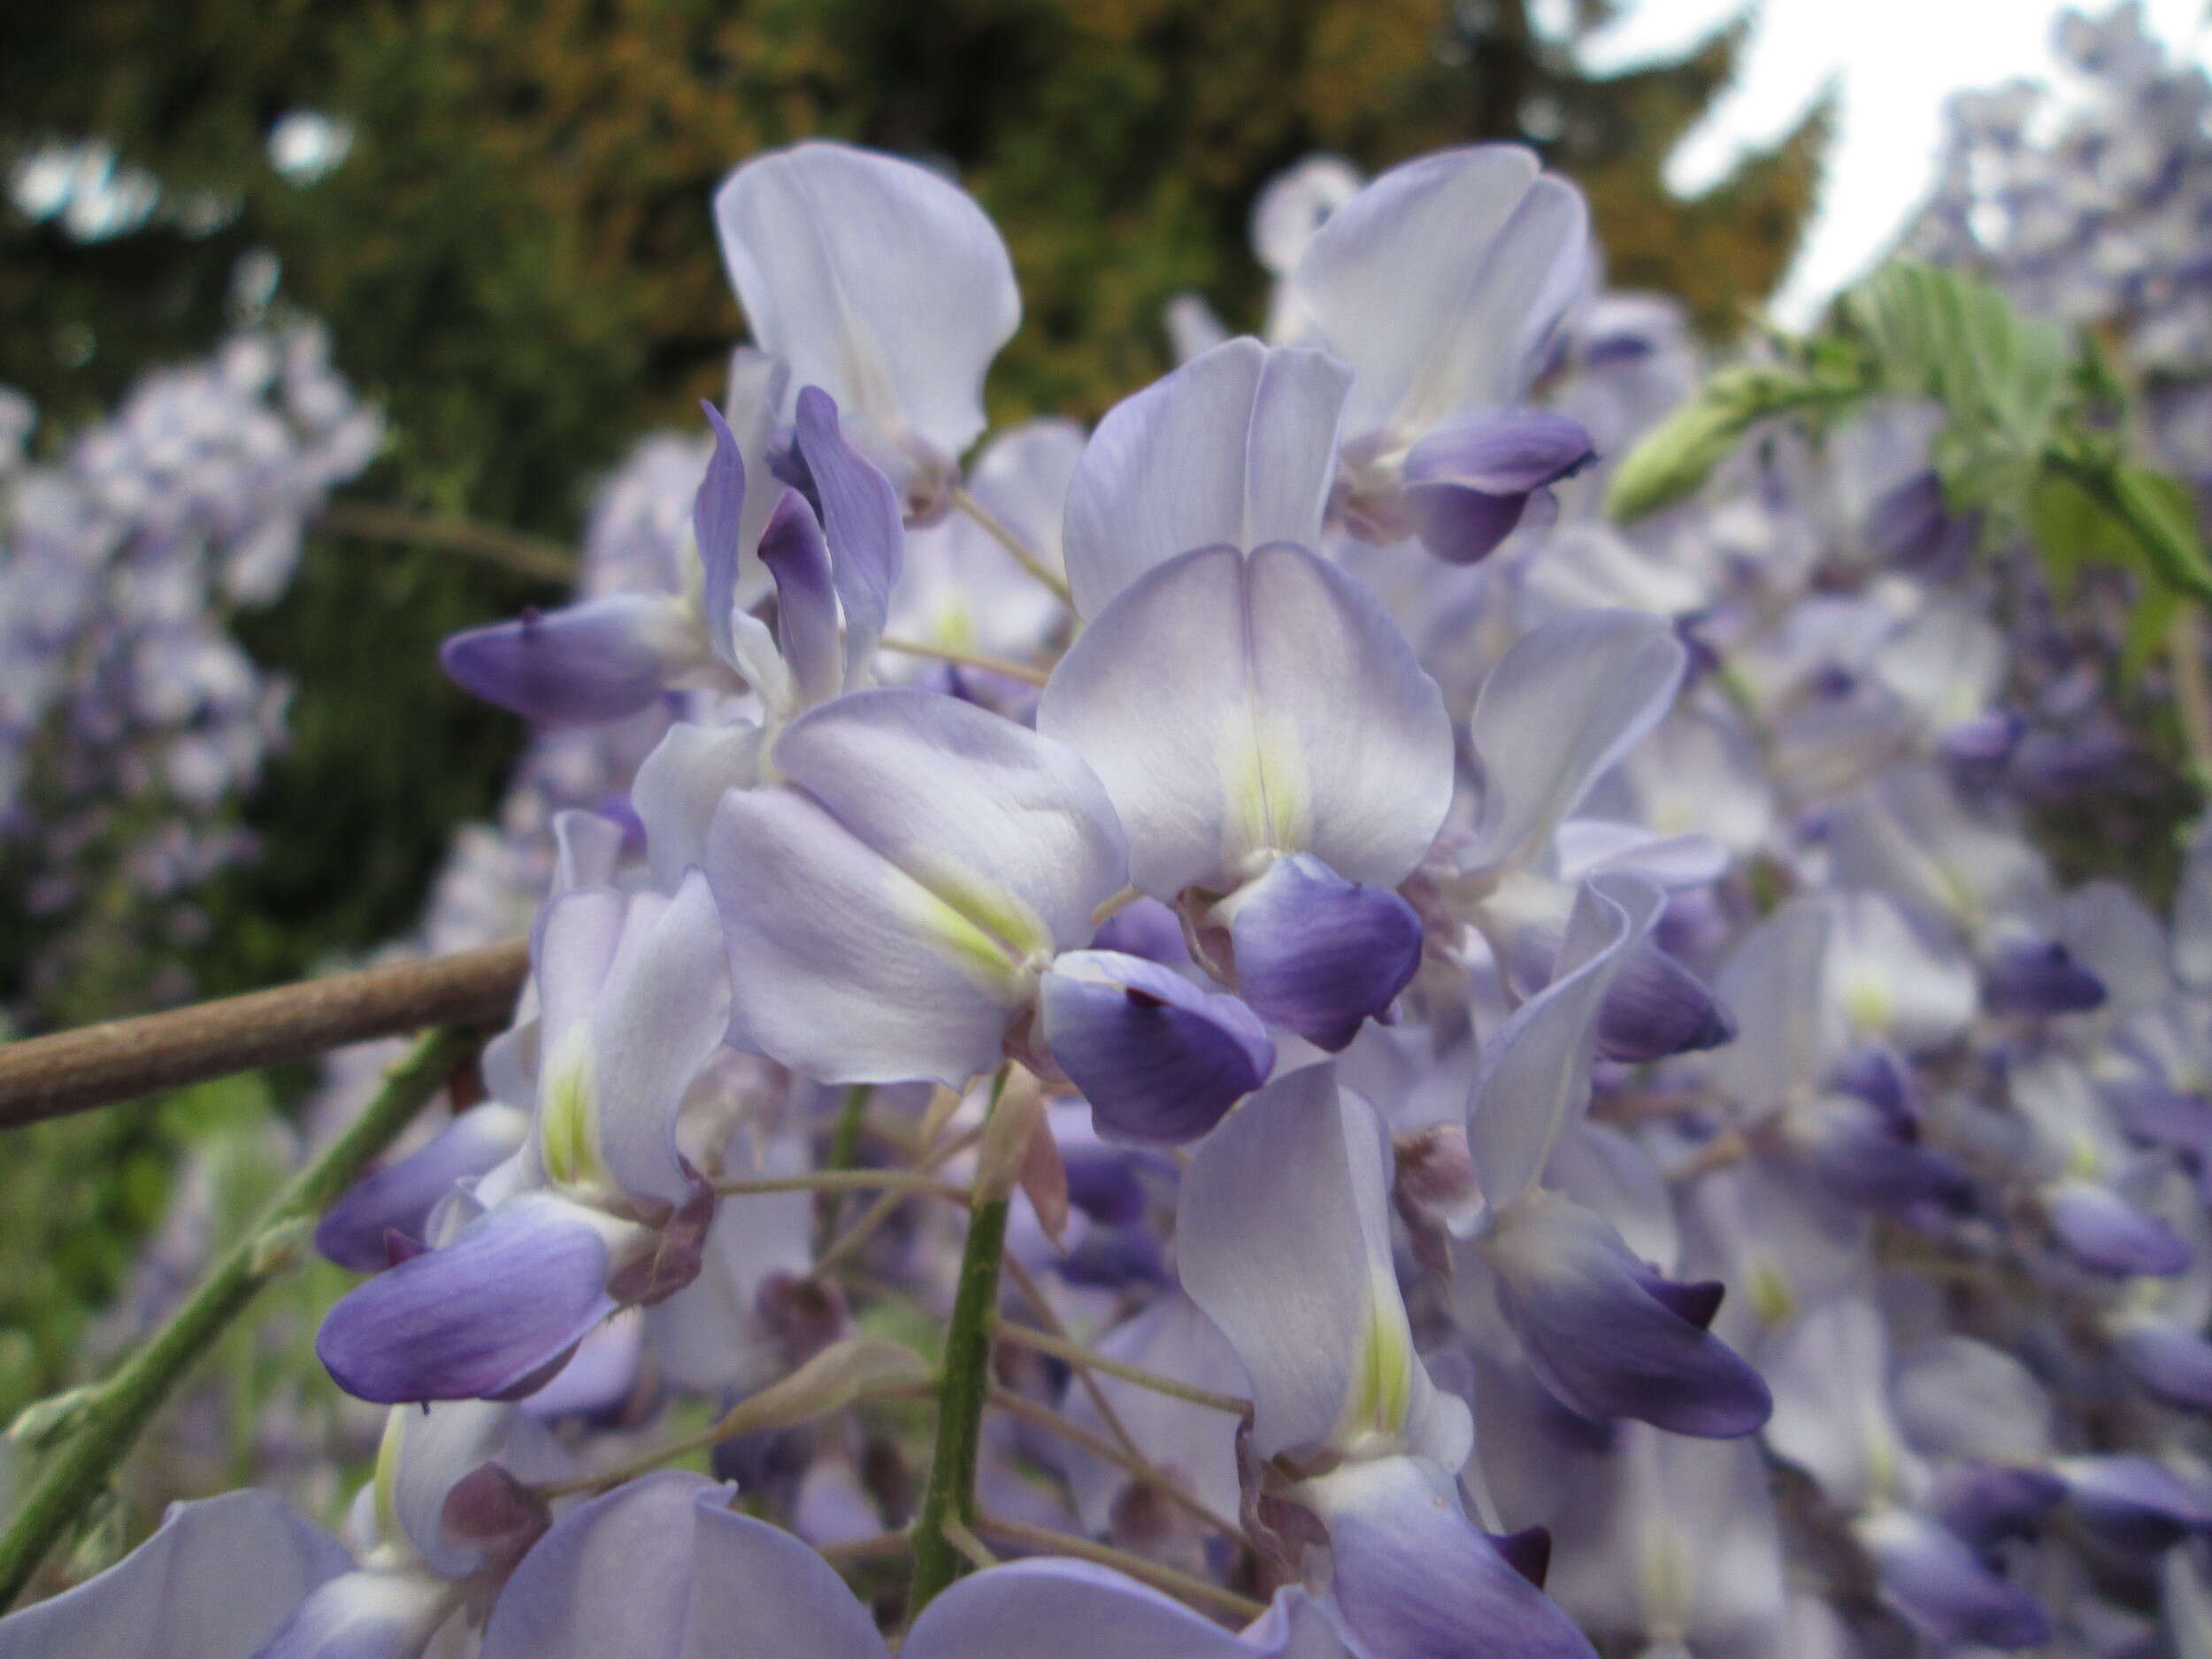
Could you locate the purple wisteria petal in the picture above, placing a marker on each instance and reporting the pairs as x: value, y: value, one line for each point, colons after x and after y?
x: 1283, y: 1238
x: 2038, y: 977
x: 2134, y: 1502
x: 888, y: 909
x: 1987, y: 1503
x: 860, y: 515
x: 2172, y: 1360
x: 1237, y: 448
x: 718, y: 516
x: 1944, y: 1587
x: 599, y: 660
x: 399, y: 1196
x: 1655, y: 1006
x: 1238, y: 707
x: 661, y: 1569
x: 1145, y: 928
x: 1413, y: 1577
x: 1441, y: 283
x: 1469, y: 484
x: 1159, y: 1058
x: 216, y: 1581
x: 680, y: 785
x: 1082, y: 1611
x: 903, y: 341
x: 485, y: 1317
x: 1317, y: 953
x: 1610, y: 1338
x: 2106, y: 1233
x: 796, y: 555
x: 1555, y: 714
x: 1534, y: 1075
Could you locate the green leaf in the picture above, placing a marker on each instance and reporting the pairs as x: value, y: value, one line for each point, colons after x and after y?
x: 2070, y: 530
x: 2165, y: 518
x: 1680, y: 453
x: 2149, y: 620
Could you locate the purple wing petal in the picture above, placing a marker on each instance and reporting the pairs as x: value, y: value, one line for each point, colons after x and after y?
x: 485, y: 1317
x: 596, y: 661
x: 1319, y: 954
x: 1159, y: 1058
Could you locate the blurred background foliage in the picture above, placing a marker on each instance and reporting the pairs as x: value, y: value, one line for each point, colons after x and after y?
x: 499, y: 208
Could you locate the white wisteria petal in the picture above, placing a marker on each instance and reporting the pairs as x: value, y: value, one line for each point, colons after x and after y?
x: 1557, y: 712
x: 875, y: 279
x: 1239, y: 708
x: 1237, y: 447
x: 1283, y: 1238
x: 1441, y: 280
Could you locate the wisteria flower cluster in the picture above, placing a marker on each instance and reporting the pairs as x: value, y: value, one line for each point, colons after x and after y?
x: 1435, y: 1077
x: 130, y: 718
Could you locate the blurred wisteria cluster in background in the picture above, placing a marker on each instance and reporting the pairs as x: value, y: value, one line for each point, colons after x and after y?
x: 2091, y: 200
x: 131, y: 721
x: 1259, y: 1032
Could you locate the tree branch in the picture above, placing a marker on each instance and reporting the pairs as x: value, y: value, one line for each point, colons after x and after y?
x: 95, y: 1065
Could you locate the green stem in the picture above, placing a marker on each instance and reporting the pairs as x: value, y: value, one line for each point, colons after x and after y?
x: 964, y: 1387
x: 844, y: 1147
x: 111, y: 1414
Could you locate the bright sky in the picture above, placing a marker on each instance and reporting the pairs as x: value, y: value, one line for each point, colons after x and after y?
x: 1896, y: 61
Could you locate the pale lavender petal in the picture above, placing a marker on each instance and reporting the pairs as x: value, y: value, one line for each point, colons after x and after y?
x: 1074, y: 1610
x: 596, y: 661
x: 842, y: 966
x: 1555, y: 714
x: 660, y: 1013
x: 215, y: 1582
x: 1441, y: 283
x: 903, y: 340
x: 1414, y: 1578
x: 1238, y: 707
x: 680, y: 783
x: 1158, y: 1057
x: 1147, y: 928
x: 1283, y: 1238
x: 1317, y: 953
x: 661, y: 1569
x: 486, y: 1316
x: 1534, y: 1075
x: 1237, y: 448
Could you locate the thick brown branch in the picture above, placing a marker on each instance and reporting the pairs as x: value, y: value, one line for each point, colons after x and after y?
x: 51, y: 1076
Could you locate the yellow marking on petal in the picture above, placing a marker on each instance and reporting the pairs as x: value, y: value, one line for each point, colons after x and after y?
x: 568, y: 1113
x: 1382, y: 1381
x: 1269, y: 786
x: 2082, y: 1161
x: 1868, y: 1005
x: 1771, y: 1294
x: 386, y: 1484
